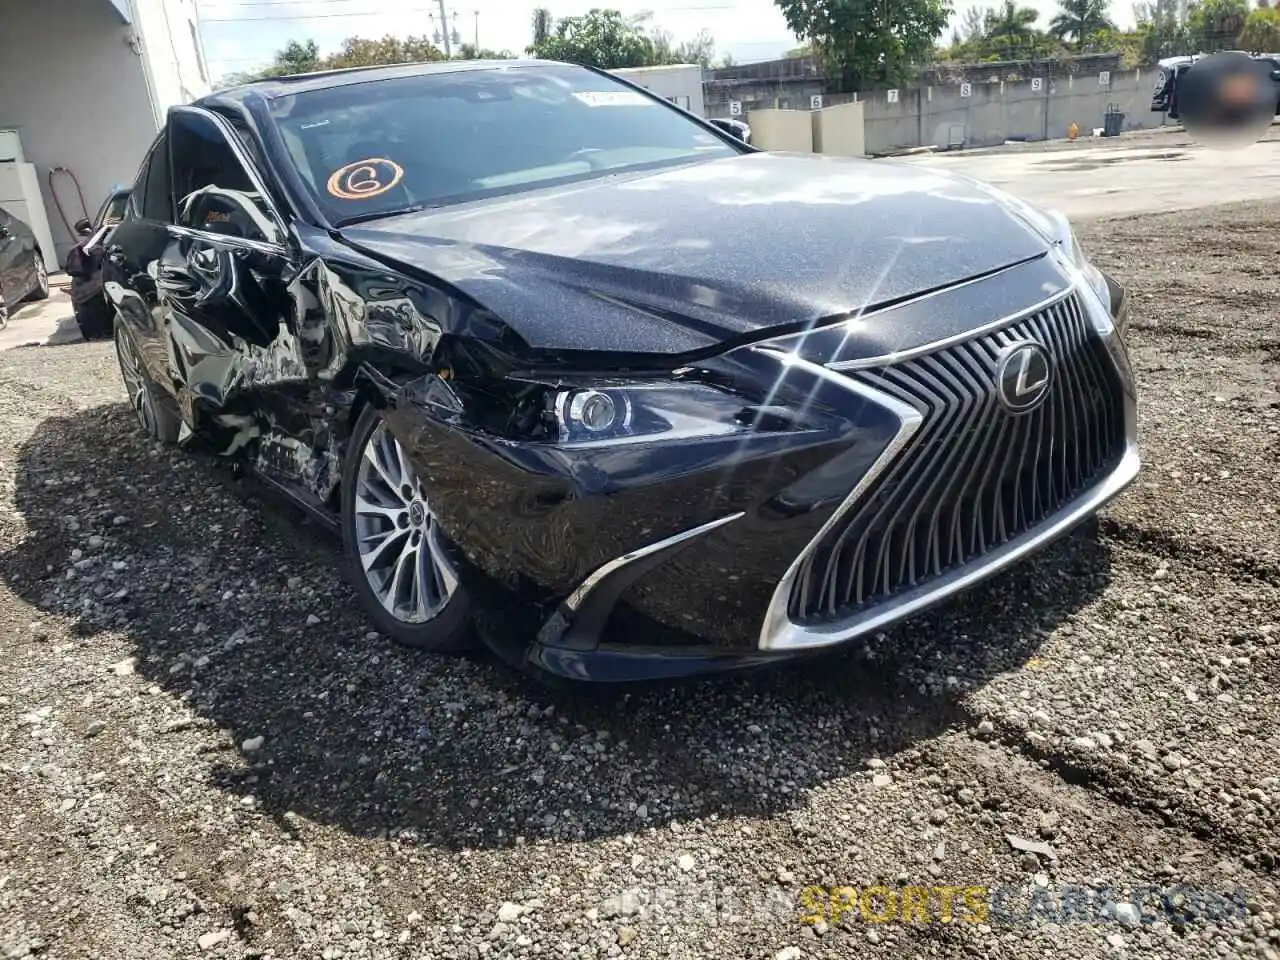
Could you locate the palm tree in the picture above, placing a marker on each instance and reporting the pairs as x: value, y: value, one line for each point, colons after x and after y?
x: 1079, y: 20
x: 542, y: 25
x: 1261, y: 31
x: 1012, y: 27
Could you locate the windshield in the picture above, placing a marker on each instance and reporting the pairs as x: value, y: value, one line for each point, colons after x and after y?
x: 381, y: 146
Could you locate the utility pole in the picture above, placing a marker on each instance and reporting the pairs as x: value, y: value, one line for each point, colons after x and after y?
x: 444, y: 32
x: 477, y: 36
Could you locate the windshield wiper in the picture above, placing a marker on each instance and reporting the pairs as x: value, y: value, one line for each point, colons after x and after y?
x: 379, y: 215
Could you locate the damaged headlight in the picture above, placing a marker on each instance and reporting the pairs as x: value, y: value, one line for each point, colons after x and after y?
x: 609, y: 412
x: 615, y: 413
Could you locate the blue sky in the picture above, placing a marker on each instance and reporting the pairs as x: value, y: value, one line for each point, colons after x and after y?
x: 242, y: 34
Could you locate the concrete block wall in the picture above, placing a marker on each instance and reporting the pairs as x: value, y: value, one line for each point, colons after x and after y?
x: 840, y: 131
x: 995, y: 112
x: 788, y: 131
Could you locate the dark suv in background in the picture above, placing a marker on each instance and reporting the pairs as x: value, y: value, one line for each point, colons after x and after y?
x: 94, y: 315
x: 1164, y: 98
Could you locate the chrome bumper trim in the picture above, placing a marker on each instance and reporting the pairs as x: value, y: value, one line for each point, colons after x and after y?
x: 777, y: 622
x: 579, y: 596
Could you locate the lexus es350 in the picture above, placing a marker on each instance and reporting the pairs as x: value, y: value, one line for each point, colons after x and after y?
x: 588, y: 379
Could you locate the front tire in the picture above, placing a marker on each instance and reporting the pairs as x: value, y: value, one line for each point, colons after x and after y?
x: 41, y: 289
x: 156, y: 411
x: 399, y: 559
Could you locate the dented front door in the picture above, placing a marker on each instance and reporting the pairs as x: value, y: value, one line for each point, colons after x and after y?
x: 223, y: 277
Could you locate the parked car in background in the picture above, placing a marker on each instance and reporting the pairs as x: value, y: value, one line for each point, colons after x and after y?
x: 579, y: 374
x: 735, y: 127
x: 84, y: 265
x: 22, y: 271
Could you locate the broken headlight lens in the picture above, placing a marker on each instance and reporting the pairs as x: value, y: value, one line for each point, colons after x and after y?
x: 635, y: 412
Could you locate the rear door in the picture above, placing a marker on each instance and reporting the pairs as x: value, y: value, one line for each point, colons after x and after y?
x: 133, y: 255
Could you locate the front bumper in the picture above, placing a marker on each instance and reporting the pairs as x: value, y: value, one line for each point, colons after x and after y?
x: 654, y: 562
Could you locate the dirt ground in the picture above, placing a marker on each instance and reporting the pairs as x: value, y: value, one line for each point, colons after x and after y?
x: 205, y: 752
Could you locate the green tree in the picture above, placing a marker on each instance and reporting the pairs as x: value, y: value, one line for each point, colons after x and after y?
x: 359, y: 52
x: 1160, y: 33
x: 1215, y: 24
x: 304, y: 57
x: 973, y: 24
x: 701, y: 49
x: 469, y: 51
x: 1261, y: 33
x: 1080, y: 21
x: 1012, y: 29
x: 598, y: 38
x: 865, y: 41
x: 298, y: 57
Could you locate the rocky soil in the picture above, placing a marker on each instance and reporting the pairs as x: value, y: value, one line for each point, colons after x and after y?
x: 205, y: 751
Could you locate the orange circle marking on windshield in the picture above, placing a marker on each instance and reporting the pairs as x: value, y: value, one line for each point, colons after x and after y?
x: 365, y: 178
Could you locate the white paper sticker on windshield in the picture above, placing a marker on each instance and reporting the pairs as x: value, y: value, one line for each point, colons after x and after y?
x: 613, y: 98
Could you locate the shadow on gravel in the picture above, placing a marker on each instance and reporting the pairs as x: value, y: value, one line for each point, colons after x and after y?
x: 237, y: 610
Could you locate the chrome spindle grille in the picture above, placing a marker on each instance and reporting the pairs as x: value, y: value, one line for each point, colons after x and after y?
x: 974, y: 475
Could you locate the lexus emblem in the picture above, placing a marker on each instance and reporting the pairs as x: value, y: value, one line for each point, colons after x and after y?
x: 1023, y: 375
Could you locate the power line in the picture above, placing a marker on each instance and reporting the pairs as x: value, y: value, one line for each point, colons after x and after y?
x: 308, y: 16
x: 382, y: 13
x: 272, y: 3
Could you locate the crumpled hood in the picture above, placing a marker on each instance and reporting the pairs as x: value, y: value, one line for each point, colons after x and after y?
x: 684, y: 259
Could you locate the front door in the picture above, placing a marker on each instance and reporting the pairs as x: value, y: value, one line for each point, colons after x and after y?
x: 221, y: 277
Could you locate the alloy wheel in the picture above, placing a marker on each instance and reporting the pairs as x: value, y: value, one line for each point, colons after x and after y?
x: 398, y: 540
x: 135, y: 381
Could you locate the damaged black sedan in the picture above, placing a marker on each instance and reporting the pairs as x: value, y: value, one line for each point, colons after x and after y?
x: 589, y: 379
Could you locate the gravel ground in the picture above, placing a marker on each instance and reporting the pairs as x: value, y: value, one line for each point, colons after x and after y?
x: 205, y: 752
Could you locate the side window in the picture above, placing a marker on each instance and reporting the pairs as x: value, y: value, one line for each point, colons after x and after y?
x: 139, y: 189
x: 211, y: 186
x: 157, y: 199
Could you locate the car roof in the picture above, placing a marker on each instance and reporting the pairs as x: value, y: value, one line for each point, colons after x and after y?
x: 274, y: 87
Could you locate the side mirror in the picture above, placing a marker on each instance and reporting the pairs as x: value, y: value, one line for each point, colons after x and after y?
x: 83, y: 227
x: 1275, y: 75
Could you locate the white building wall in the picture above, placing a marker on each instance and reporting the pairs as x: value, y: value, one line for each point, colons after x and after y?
x: 681, y: 83
x: 74, y: 86
x: 169, y: 31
